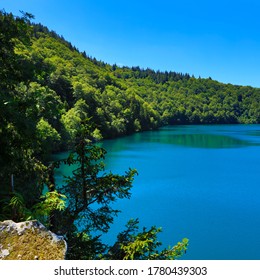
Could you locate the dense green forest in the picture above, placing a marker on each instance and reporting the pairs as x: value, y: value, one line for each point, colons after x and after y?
x: 55, y: 98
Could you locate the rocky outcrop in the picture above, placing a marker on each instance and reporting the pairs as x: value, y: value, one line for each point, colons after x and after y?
x: 30, y: 240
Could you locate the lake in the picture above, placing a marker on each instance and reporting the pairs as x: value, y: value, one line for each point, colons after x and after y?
x: 195, y: 181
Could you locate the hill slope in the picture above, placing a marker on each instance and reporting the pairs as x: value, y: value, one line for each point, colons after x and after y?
x: 122, y: 100
x: 48, y: 89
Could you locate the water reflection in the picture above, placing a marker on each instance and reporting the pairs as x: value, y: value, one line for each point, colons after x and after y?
x: 205, y: 137
x: 206, y: 141
x: 253, y: 133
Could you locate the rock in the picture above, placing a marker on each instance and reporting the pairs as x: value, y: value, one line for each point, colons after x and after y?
x: 30, y: 240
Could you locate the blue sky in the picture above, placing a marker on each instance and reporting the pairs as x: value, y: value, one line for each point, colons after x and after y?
x: 220, y: 39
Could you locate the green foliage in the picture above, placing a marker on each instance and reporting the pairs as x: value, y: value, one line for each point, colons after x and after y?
x: 73, y: 118
x: 46, y: 131
x: 17, y: 126
x: 84, y: 247
x: 97, y: 135
x: 48, y: 137
x: 51, y: 202
x: 89, y: 192
x: 14, y: 207
x: 144, y: 245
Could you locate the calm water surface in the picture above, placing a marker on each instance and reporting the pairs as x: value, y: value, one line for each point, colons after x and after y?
x: 199, y: 182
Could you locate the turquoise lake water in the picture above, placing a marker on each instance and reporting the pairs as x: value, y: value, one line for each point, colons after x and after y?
x: 199, y: 182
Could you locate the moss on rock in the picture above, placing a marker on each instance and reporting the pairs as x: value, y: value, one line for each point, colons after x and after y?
x: 30, y: 240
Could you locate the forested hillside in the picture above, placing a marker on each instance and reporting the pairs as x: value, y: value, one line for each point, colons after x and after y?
x: 67, y: 87
x: 49, y: 92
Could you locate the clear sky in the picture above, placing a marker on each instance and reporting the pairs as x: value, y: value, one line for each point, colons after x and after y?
x: 220, y: 39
